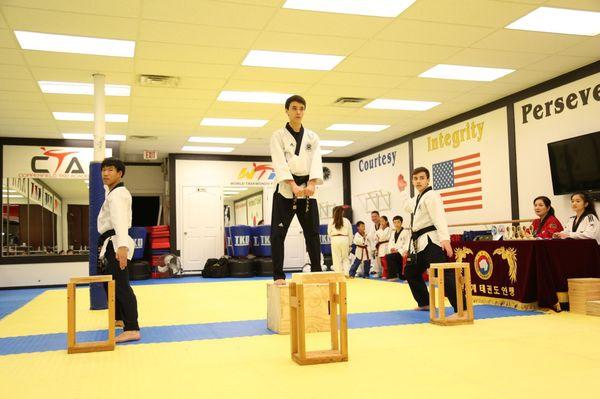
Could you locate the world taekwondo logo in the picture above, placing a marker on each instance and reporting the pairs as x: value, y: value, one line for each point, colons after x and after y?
x: 257, y: 172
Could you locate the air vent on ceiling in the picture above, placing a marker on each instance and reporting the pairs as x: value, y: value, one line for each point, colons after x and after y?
x: 159, y: 81
x: 147, y: 138
x: 352, y: 102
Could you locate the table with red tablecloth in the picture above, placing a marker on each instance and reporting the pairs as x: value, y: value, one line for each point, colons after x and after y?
x: 527, y: 274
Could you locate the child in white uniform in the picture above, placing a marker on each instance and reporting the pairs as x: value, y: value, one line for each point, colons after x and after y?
x: 382, y: 238
x: 584, y: 224
x: 340, y: 232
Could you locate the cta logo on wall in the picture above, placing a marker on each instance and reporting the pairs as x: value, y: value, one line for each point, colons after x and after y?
x: 48, y: 162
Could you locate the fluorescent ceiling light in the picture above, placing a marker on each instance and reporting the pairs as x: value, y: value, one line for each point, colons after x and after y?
x: 559, y: 20
x: 90, y: 136
x: 280, y: 59
x: 233, y: 122
x: 75, y: 44
x: 376, y: 8
x: 236, y: 188
x: 335, y: 143
x: 82, y: 88
x: 404, y: 105
x: 465, y: 72
x: 231, y: 192
x: 325, y: 152
x: 88, y: 117
x: 357, y: 127
x: 253, y: 97
x: 217, y: 140
x: 13, y: 196
x: 206, y: 149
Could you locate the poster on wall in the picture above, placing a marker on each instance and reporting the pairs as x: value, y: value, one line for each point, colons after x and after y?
x: 48, y: 162
x: 241, y: 212
x: 566, y: 112
x: 374, y: 183
x: 255, y: 209
x: 468, y: 163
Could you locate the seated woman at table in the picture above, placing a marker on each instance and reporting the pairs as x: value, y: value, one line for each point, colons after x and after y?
x: 547, y: 224
x: 585, y: 224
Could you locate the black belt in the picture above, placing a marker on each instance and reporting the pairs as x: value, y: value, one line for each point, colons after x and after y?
x: 416, y: 234
x: 105, y: 236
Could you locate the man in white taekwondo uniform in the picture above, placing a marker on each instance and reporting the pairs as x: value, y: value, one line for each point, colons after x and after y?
x: 430, y: 237
x: 296, y: 157
x: 116, y: 246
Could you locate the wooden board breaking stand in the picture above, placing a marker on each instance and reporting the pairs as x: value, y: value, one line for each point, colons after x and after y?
x: 96, y: 346
x: 339, y: 328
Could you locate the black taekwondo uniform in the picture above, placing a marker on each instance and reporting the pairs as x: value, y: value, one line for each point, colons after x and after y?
x: 295, y: 156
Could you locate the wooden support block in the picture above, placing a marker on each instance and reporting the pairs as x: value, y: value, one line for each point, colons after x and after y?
x: 593, y: 308
x: 316, y: 307
x: 581, y: 291
x: 339, y: 343
x: 462, y: 278
x: 97, y: 346
x: 318, y: 277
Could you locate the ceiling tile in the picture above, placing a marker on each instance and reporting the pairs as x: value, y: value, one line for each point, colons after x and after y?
x: 188, y: 53
x: 183, y: 69
x: 26, y: 96
x: 433, y: 33
x: 328, y: 24
x: 168, y: 32
x: 382, y: 67
x: 589, y: 5
x: 527, y: 78
x: 468, y: 12
x: 24, y: 114
x: 157, y: 102
x: 558, y: 63
x: 14, y: 72
x: 119, y: 8
x: 61, y: 100
x: 534, y: 42
x: 7, y: 40
x: 306, y: 42
x: 589, y: 47
x: 37, y: 106
x: 10, y: 56
x: 19, y: 85
x: 182, y: 94
x: 448, y: 85
x: 347, y: 91
x: 67, y: 23
x: 405, y: 51
x: 493, y: 58
x: 79, y: 75
x: 357, y: 79
x: 274, y: 87
x: 208, y: 13
x: 95, y: 63
x: 277, y: 75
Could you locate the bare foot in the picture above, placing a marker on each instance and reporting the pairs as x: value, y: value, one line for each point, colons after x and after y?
x: 422, y: 308
x: 126, y: 336
x: 280, y: 282
x: 119, y: 324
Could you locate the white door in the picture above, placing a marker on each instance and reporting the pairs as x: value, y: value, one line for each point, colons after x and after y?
x: 202, y: 226
x: 295, y: 247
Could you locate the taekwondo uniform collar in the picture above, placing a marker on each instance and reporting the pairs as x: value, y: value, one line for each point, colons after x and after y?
x: 291, y: 130
x: 120, y: 184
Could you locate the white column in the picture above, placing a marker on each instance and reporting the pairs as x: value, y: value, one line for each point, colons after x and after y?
x: 99, y: 122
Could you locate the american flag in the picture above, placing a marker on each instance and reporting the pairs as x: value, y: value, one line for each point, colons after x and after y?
x: 459, y: 183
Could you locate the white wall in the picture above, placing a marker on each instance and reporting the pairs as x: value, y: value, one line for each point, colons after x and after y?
x: 26, y: 275
x: 375, y: 172
x: 533, y: 135
x: 226, y: 173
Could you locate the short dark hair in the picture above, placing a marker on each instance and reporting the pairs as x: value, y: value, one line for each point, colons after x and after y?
x: 295, y: 98
x: 359, y: 223
x: 398, y: 217
x: 377, y: 212
x: 420, y: 169
x: 116, y: 162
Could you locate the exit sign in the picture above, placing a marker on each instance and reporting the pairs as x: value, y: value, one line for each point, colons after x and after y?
x: 150, y: 155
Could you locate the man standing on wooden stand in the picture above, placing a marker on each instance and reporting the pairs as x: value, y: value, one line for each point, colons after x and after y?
x: 296, y: 157
x: 116, y: 246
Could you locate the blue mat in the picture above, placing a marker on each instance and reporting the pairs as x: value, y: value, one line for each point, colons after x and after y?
x: 233, y: 329
x: 11, y: 300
